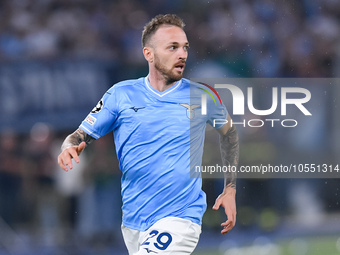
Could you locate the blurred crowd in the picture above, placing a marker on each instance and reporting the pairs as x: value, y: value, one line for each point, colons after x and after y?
x: 252, y: 37
x: 53, y: 206
x: 244, y: 38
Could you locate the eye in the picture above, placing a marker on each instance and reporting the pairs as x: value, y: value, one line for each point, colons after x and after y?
x: 172, y: 47
x: 186, y: 48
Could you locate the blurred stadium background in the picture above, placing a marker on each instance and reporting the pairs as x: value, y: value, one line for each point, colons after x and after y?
x: 57, y: 58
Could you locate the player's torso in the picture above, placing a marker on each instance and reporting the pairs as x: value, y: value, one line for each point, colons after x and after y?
x: 153, y: 139
x: 154, y: 121
x: 148, y: 117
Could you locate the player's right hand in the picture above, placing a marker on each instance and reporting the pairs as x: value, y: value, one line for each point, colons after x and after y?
x: 65, y: 157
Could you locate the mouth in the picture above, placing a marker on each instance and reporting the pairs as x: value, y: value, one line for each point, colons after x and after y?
x: 180, y: 67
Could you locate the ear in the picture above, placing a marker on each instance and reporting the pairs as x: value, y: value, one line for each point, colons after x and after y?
x: 148, y: 54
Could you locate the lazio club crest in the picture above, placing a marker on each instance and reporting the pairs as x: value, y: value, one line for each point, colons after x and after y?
x: 190, y: 109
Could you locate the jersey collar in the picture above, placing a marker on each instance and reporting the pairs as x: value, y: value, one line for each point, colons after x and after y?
x: 165, y: 92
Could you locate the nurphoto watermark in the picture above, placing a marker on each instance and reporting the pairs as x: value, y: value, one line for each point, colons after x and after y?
x: 243, y: 102
x: 281, y: 123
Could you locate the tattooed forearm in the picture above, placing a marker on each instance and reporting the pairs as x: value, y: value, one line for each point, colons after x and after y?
x: 77, y: 138
x: 230, y: 154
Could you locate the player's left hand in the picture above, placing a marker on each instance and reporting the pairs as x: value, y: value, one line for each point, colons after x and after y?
x: 228, y: 202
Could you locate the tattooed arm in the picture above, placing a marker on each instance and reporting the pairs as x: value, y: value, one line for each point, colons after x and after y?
x: 73, y: 145
x: 230, y: 155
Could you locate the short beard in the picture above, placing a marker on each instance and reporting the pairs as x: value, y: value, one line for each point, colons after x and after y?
x: 169, y: 76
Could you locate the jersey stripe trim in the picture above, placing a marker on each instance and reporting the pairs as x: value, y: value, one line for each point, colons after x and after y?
x: 89, y: 132
x: 146, y: 80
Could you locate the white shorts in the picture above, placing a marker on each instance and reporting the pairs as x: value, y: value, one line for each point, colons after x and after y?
x: 170, y: 235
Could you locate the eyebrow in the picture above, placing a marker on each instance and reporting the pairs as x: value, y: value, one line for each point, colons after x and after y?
x: 176, y: 43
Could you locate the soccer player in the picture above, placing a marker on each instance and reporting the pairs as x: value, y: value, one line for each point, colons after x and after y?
x: 158, y: 131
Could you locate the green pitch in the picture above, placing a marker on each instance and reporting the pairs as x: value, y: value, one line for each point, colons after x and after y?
x: 298, y: 246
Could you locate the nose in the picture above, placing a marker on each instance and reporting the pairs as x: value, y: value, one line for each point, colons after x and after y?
x: 183, y: 54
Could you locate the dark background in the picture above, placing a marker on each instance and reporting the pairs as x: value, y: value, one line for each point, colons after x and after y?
x: 57, y: 58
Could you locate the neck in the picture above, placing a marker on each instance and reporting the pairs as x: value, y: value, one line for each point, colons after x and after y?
x: 159, y: 82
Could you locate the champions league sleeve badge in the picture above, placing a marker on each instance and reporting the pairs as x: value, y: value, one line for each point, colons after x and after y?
x: 98, y: 107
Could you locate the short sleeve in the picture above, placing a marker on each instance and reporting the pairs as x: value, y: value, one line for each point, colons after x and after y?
x: 101, y: 119
x: 217, y: 115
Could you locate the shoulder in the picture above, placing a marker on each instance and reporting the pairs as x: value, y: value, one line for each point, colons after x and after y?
x: 196, y: 88
x: 189, y: 84
x: 194, y: 84
x: 126, y: 85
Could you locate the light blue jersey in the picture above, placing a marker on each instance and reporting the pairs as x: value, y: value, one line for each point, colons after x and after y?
x: 158, y: 137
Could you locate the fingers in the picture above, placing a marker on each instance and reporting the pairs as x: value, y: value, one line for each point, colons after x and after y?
x: 217, y: 203
x: 230, y: 223
x: 228, y: 203
x: 74, y: 154
x: 61, y: 164
x: 227, y: 226
x: 81, y: 147
x: 65, y: 158
x: 66, y: 161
